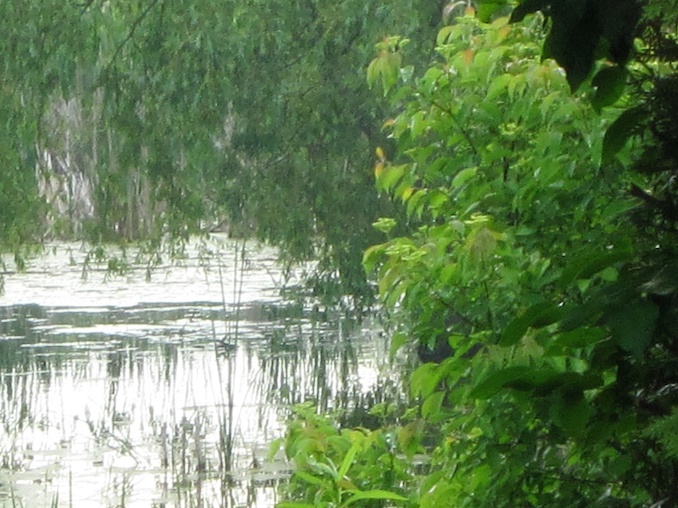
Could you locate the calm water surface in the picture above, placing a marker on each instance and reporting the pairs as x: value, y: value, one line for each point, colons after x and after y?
x: 117, y: 391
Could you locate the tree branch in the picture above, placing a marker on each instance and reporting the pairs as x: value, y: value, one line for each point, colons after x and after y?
x: 457, y: 124
x: 131, y: 31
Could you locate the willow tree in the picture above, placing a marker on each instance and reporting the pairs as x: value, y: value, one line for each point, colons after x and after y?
x: 170, y: 116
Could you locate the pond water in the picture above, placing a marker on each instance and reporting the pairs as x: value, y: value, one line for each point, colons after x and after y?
x: 119, y: 391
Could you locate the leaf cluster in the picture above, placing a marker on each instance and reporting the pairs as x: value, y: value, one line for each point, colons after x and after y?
x: 336, y: 467
x: 527, y: 262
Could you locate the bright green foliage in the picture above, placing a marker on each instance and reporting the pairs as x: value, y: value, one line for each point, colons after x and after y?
x: 337, y: 468
x: 533, y: 276
x: 500, y: 157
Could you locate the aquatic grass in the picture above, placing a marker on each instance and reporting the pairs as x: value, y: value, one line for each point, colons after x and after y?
x: 14, y: 498
x: 226, y: 381
x: 70, y: 488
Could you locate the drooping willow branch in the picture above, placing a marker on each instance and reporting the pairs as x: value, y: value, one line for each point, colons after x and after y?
x: 130, y: 33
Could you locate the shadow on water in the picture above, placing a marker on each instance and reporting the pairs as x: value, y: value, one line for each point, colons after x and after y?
x: 163, y: 404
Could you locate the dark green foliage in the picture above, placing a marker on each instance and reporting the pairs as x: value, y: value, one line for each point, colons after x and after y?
x: 610, y: 84
x: 531, y: 232
x: 631, y: 122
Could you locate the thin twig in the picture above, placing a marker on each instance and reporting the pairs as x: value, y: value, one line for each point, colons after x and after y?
x: 457, y: 124
x: 131, y: 31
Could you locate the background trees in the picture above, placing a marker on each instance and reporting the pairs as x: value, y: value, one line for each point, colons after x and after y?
x: 151, y: 118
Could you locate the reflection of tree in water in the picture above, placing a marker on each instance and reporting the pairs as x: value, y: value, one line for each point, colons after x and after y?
x: 125, y: 389
x: 23, y: 372
x: 299, y: 370
x: 324, y: 367
x: 17, y: 328
x: 33, y: 365
x: 114, y: 365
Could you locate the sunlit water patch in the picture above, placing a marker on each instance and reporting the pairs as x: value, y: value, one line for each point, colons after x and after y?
x: 122, y: 392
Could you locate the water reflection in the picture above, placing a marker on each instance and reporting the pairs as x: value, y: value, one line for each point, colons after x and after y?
x: 167, y: 396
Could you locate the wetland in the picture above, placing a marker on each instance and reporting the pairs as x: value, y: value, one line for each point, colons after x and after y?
x: 165, y: 387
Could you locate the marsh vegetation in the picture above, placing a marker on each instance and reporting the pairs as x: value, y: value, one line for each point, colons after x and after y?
x: 116, y: 390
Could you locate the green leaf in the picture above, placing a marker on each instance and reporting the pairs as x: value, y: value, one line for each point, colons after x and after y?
x: 348, y: 459
x: 373, y: 71
x: 437, y: 493
x: 633, y: 325
x: 575, y: 339
x: 487, y: 8
x: 391, y: 176
x: 629, y: 123
x: 410, y: 437
x: 609, y: 83
x: 587, y: 264
x: 385, y: 225
x: 418, y: 123
x: 430, y: 409
x: 415, y: 205
x: 463, y: 176
x: 391, y: 70
x: 275, y: 447
x: 448, y: 273
x: 437, y: 199
x: 444, y: 34
x: 398, y: 340
x: 327, y: 469
x: 424, y: 380
x: 309, y: 478
x: 373, y: 494
x: 571, y: 412
x: 542, y: 380
x: 295, y: 505
x: 548, y: 381
x: 495, y: 381
x: 497, y: 86
x: 372, y: 256
x: 537, y: 316
x: 573, y: 39
x: 618, y: 207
